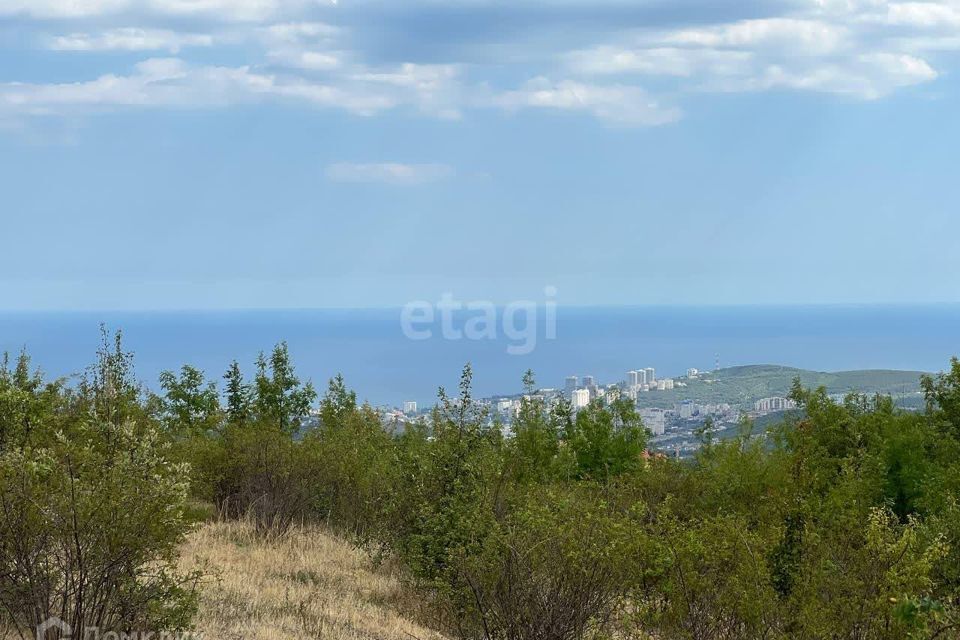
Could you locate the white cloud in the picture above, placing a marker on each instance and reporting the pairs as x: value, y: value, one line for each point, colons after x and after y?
x: 392, y: 173
x: 869, y: 76
x: 625, y: 105
x: 296, y: 51
x: 221, y: 10
x: 244, y: 10
x: 864, y: 49
x: 171, y: 82
x: 312, y: 60
x: 434, y: 88
x: 131, y: 39
x: 301, y: 31
x: 669, y: 61
x: 62, y: 8
x: 800, y: 37
x: 930, y: 15
x: 304, y: 45
x: 423, y: 77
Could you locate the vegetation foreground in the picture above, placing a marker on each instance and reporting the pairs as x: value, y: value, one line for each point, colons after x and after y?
x: 256, y: 513
x: 304, y: 584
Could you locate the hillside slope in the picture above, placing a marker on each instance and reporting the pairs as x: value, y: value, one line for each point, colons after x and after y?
x: 307, y: 584
x: 744, y: 385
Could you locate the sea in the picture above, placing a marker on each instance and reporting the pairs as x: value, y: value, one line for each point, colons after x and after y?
x: 388, y: 364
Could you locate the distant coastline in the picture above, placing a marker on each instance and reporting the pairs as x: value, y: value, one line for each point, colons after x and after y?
x: 386, y: 368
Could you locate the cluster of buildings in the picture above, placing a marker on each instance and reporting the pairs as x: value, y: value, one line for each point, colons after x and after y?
x: 689, y: 410
x: 644, y: 380
x: 582, y: 392
x: 672, y: 425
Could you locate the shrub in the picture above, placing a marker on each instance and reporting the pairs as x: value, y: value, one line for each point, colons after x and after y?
x: 92, y: 504
x: 89, y: 533
x: 555, y: 567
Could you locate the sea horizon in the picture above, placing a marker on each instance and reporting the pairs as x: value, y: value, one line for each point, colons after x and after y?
x: 384, y: 366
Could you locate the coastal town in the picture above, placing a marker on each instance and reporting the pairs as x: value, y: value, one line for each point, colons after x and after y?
x: 672, y: 419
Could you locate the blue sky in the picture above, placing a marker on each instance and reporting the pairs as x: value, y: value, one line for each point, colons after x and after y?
x: 258, y: 153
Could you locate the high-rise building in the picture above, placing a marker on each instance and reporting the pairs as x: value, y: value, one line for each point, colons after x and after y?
x: 633, y: 378
x: 588, y: 381
x: 767, y: 405
x: 579, y: 398
x: 409, y: 407
x: 651, y: 375
x: 571, y: 383
x: 642, y: 377
x: 687, y: 409
x: 655, y: 420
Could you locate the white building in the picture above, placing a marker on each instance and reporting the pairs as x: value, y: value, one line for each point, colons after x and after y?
x: 769, y: 405
x: 571, y: 383
x: 409, y: 407
x: 633, y: 378
x: 693, y: 373
x: 687, y: 410
x: 579, y: 398
x: 651, y: 375
x: 655, y: 420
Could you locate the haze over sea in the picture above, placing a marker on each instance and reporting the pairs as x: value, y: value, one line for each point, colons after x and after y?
x: 369, y: 347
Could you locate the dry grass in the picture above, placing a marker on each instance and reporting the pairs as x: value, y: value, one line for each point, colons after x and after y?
x: 306, y: 584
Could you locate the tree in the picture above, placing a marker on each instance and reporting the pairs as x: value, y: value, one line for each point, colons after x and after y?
x: 704, y: 432
x: 536, y: 439
x: 943, y: 397
x: 281, y: 400
x: 238, y: 395
x: 110, y: 385
x: 338, y: 403
x: 25, y: 402
x: 191, y: 404
x: 607, y: 440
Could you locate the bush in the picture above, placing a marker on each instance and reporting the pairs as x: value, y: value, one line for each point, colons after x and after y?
x: 554, y: 568
x: 92, y: 516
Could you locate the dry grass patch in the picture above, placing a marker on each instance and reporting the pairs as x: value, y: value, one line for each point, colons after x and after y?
x: 306, y: 584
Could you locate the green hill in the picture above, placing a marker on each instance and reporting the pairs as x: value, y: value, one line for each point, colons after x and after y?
x: 744, y: 385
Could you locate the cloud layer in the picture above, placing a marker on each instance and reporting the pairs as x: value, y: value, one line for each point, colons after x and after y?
x: 391, y: 173
x: 628, y: 66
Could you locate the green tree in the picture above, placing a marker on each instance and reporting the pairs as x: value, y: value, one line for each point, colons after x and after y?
x: 536, y: 439
x: 607, y: 440
x: 191, y: 404
x: 281, y: 400
x: 338, y: 403
x: 238, y: 395
x: 943, y: 397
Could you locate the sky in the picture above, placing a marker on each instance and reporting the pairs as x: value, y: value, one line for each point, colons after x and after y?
x: 184, y: 154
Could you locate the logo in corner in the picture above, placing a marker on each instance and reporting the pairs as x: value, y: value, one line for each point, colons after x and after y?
x: 60, y: 629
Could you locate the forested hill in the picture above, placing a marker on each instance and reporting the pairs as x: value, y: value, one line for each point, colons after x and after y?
x: 745, y: 385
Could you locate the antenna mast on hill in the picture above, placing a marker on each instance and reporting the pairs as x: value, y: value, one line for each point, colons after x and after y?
x: 716, y: 366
